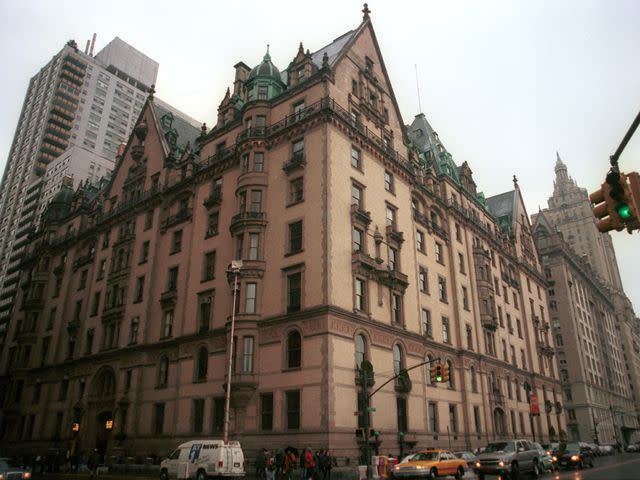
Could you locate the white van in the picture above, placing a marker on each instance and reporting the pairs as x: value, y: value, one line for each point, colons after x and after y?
x: 202, y: 459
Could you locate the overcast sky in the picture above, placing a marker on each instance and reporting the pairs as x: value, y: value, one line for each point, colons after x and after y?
x: 506, y: 84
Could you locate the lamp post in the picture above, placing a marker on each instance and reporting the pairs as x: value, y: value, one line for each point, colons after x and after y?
x: 236, y: 265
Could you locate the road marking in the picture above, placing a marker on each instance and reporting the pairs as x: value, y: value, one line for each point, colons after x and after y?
x: 600, y: 468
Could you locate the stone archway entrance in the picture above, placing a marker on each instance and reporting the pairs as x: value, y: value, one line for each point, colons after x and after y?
x: 101, y: 406
x: 499, y: 426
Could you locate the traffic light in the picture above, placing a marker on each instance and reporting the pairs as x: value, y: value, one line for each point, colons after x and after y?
x: 633, y: 194
x: 436, y: 373
x: 374, y: 433
x: 445, y: 373
x: 614, y: 204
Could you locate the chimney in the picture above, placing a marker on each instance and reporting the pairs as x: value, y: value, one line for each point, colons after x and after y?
x: 93, y: 44
x: 86, y: 49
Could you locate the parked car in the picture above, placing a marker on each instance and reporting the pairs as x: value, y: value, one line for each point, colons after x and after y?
x: 200, y: 459
x: 430, y: 464
x: 574, y: 454
x: 632, y: 447
x: 12, y: 470
x: 470, y: 457
x: 607, y: 449
x: 510, y: 458
x: 546, y: 458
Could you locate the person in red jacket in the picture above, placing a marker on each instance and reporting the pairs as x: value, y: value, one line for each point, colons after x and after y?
x: 309, y: 463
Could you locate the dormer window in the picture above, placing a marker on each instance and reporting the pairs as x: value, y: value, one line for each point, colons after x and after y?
x: 300, y: 74
x: 368, y: 65
x: 263, y: 92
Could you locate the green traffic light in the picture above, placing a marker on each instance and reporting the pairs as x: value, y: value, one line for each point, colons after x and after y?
x: 624, y: 212
x: 439, y: 378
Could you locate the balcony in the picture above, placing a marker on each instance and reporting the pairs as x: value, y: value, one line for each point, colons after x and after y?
x: 490, y: 322
x: 402, y: 384
x: 371, y: 378
x: 245, y: 219
x: 363, y: 259
x: 393, y: 234
x: 393, y: 278
x: 169, y: 297
x: 253, y: 132
x: 137, y: 151
x: 496, y: 397
x: 297, y: 162
x: 83, y: 260
x: 439, y: 231
x: 421, y: 219
x: 243, y: 387
x: 214, y: 199
x: 180, y: 217
x: 32, y: 304
x: 358, y: 215
x: 112, y: 312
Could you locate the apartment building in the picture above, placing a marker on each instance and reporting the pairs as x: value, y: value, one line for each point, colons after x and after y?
x: 360, y: 239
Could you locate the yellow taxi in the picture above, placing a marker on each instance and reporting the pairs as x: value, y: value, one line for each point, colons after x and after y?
x: 429, y: 464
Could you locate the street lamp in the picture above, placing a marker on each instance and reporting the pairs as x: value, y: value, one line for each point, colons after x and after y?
x: 234, y: 269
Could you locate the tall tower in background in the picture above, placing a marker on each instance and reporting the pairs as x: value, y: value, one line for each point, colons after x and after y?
x: 570, y: 213
x: 75, y: 99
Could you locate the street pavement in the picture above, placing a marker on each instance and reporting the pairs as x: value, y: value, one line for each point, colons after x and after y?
x: 616, y: 467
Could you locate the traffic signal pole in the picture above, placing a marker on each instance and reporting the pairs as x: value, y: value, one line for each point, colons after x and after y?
x: 364, y: 384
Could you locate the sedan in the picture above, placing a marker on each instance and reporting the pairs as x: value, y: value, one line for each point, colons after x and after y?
x: 10, y: 469
x: 430, y: 464
x: 573, y: 455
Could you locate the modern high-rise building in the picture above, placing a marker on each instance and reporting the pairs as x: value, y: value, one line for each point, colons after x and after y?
x: 596, y: 333
x: 75, y: 99
x: 364, y: 248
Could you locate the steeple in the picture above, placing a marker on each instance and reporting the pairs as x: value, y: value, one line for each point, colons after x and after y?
x: 561, y: 170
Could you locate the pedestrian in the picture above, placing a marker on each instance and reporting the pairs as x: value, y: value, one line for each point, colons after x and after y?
x: 309, y: 463
x: 327, y: 465
x: 290, y: 462
x: 279, y: 464
x: 270, y: 467
x: 92, y: 464
x: 261, y: 463
x: 303, y: 470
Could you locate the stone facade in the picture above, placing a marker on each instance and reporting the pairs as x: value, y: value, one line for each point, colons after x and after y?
x: 360, y: 240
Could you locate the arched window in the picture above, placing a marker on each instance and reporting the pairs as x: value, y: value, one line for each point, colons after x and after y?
x: 294, y: 350
x: 398, y: 363
x: 163, y: 372
x: 474, y: 380
x: 450, y: 383
x: 361, y: 349
x: 202, y: 364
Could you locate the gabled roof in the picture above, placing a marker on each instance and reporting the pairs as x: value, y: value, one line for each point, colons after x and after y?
x: 502, y: 207
x: 333, y: 50
x: 541, y: 223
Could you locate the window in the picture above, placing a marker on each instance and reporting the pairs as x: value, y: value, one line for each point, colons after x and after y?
x: 420, y: 241
x: 144, y: 252
x: 218, y: 414
x: 442, y: 289
x: 356, y: 195
x: 202, y: 364
x: 433, y: 417
x: 294, y: 292
x: 172, y: 281
x: 167, y: 324
x: 205, y: 301
x: 401, y: 411
x: 393, y: 256
x: 176, y: 242
x: 458, y: 233
x: 469, y: 337
x: 398, y: 359
x: 254, y: 243
x: 263, y: 92
x: 293, y: 409
x: 391, y: 217
x: 158, y: 418
x: 95, y: 305
x: 423, y: 280
x: 250, y: 297
x: 209, y: 266
x: 361, y: 349
x: 101, y: 270
x: 266, y: 411
x: 388, y: 181
x: 247, y: 355
x: 453, y: 418
x: 83, y: 279
x: 258, y: 162
x: 465, y: 298
x: 427, y: 328
x: 139, y: 289
x: 523, y: 360
x: 519, y: 327
x: 239, y: 245
x: 474, y: 379
x: 256, y: 201
x: 295, y: 237
x: 439, y: 257
x: 298, y: 107
x: 296, y: 190
x: 163, y: 372
x: 461, y: 262
x: 446, y: 337
x: 354, y: 87
x: 396, y: 308
x: 105, y: 240
x: 298, y: 149
x: 358, y: 237
x: 294, y: 350
x: 360, y: 295
x: 476, y: 419
x: 212, y: 224
x: 148, y: 220
x: 133, y: 331
x: 356, y: 158
x: 515, y: 300
x: 198, y: 415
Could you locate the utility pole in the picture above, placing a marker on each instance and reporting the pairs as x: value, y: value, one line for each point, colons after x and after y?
x: 236, y: 265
